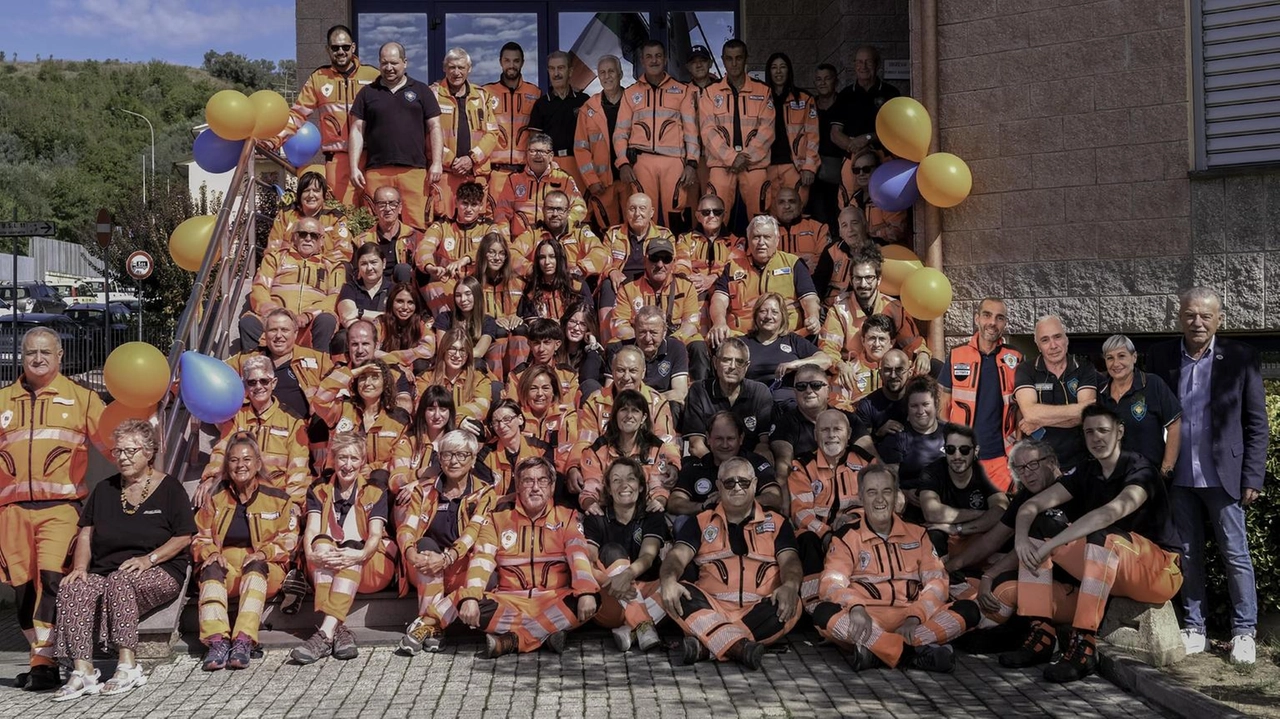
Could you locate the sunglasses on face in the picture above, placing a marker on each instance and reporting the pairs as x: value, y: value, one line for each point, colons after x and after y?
x: 963, y: 449
x: 806, y: 386
x: 864, y: 170
x: 714, y: 212
x: 663, y: 258
x: 341, y: 48
x: 739, y: 483
x: 303, y: 234
x: 261, y: 382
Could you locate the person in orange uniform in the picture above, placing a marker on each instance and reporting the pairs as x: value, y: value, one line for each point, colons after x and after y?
x: 594, y: 151
x: 512, y: 100
x: 833, y: 276
x: 627, y: 371
x: 747, y: 592
x: 496, y: 464
x: 736, y: 119
x: 884, y: 590
x: 544, y: 584
x: 583, y: 250
x: 802, y: 236
x: 555, y: 114
x: 987, y: 407
x: 396, y: 241
x: 468, y: 129
x: 865, y: 299
x: 299, y: 370
x: 300, y: 280
x: 325, y: 101
x: 656, y: 140
x: 448, y: 248
x: 519, y: 206
x: 659, y: 286
x: 793, y: 156
x: 46, y: 424
x: 702, y: 253
x: 310, y: 199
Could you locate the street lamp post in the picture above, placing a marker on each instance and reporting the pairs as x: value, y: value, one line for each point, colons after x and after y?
x: 153, y: 149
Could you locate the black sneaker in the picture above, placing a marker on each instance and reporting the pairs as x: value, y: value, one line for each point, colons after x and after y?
x: 1078, y: 660
x: 747, y: 653
x: 43, y: 678
x: 241, y: 651
x: 864, y: 658
x: 556, y: 641
x: 938, y: 658
x: 293, y: 590
x: 215, y: 657
x: 692, y: 651
x: 1037, y: 649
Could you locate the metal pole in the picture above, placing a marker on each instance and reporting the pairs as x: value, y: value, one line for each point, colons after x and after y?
x: 153, y: 146
x: 106, y: 292
x: 13, y: 306
x: 144, y: 179
x: 139, y: 296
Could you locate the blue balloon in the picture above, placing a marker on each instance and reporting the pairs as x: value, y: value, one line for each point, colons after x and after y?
x: 211, y: 390
x: 893, y: 185
x: 304, y: 144
x: 214, y: 154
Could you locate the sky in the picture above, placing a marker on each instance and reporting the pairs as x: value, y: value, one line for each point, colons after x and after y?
x: 176, y: 31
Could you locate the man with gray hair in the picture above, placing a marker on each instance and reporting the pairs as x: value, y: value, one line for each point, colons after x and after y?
x: 593, y: 148
x: 762, y: 270
x: 1052, y: 392
x: 469, y: 131
x: 1221, y: 460
x: 556, y: 114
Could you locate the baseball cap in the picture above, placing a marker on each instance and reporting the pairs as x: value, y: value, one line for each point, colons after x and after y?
x: 699, y: 51
x: 659, y: 244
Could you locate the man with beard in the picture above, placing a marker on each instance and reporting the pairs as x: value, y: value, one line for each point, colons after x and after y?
x: 512, y: 99
x: 840, y: 333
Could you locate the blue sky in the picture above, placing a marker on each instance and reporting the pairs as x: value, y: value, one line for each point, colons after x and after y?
x: 176, y: 31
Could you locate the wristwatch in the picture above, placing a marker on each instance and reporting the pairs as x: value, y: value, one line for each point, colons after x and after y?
x: 153, y: 559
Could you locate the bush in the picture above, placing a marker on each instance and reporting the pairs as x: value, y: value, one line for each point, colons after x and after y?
x: 1263, y: 524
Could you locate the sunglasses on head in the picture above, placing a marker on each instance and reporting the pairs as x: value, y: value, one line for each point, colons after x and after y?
x: 963, y: 449
x: 732, y: 483
x: 713, y: 212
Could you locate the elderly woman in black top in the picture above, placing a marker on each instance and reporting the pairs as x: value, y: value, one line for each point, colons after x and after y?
x: 130, y: 557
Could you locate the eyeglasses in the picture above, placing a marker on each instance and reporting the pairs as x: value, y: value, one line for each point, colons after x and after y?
x: 806, y: 386
x: 736, y: 482
x: 504, y: 421
x: 713, y: 212
x: 341, y: 48
x: 535, y: 482
x: 663, y: 258
x: 303, y: 234
x: 1031, y: 466
x: 893, y: 370
x: 865, y: 170
x: 552, y: 208
x: 455, y: 456
x: 258, y: 382
x: 384, y: 204
x: 532, y: 151
x: 963, y: 449
x: 125, y: 452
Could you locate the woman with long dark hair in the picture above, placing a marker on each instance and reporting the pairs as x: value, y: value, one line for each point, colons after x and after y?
x: 473, y: 389
x: 793, y: 157
x: 405, y: 330
x: 581, y: 350
x: 628, y: 433
x: 467, y: 311
x: 550, y: 288
x: 500, y: 290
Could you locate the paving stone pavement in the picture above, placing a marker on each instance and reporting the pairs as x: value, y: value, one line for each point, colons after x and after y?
x: 591, y: 680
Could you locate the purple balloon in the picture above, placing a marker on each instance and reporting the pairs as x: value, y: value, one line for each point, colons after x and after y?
x: 214, y: 154
x: 893, y: 185
x: 304, y: 144
x: 211, y: 390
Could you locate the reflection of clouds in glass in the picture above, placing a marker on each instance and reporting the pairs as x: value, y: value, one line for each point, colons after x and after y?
x: 483, y: 35
x: 408, y: 29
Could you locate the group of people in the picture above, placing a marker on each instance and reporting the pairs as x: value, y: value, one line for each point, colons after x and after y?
x: 530, y: 425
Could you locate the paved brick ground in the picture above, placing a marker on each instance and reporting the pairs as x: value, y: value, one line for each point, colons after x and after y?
x: 591, y: 681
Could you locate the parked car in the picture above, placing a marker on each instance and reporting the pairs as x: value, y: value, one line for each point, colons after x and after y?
x: 124, y: 324
x: 82, y: 350
x: 33, y: 297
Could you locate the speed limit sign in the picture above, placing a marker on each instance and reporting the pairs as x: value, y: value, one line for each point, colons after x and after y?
x: 139, y: 265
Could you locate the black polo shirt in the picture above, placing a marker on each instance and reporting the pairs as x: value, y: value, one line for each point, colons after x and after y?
x: 603, y: 529
x: 1152, y: 520
x: 558, y: 117
x: 365, y: 300
x: 1146, y: 410
x: 698, y: 475
x: 856, y: 108
x: 671, y: 360
x: 395, y: 123
x: 797, y: 430
x: 912, y: 452
x: 876, y: 409
x: 937, y: 478
x: 1067, y: 442
x: 766, y: 358
x: 754, y: 407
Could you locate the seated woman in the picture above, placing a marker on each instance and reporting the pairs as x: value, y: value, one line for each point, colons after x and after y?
x: 366, y: 291
x: 130, y: 557
x: 623, y: 542
x: 501, y: 288
x: 310, y: 198
x: 918, y: 445
x: 629, y: 433
x: 775, y: 352
x: 467, y: 311
x: 474, y: 390
x: 581, y: 349
x: 432, y: 420
x: 372, y: 411
x: 497, y: 462
x: 550, y: 288
x: 550, y: 425
x: 239, y: 556
x: 347, y: 547
x: 404, y: 331
x: 437, y: 536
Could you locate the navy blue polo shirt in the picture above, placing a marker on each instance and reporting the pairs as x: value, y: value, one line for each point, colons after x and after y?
x: 395, y: 123
x: 1067, y: 442
x: 1146, y: 410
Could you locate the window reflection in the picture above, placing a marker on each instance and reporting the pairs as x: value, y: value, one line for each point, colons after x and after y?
x: 408, y: 29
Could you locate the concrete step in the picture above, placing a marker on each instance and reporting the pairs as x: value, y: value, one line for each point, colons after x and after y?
x: 378, y: 618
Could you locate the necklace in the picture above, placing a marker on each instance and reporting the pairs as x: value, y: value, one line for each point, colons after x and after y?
x: 146, y: 490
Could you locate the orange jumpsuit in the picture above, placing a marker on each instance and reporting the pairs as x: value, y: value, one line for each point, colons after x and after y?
x: 282, y: 439
x: 474, y: 391
x: 511, y: 110
x: 678, y: 300
x: 592, y: 149
x: 405, y: 243
x: 308, y: 365
x: 658, y: 136
x: 302, y: 285
x: 482, y: 138
x: 336, y: 591
x: 805, y: 238
x: 503, y: 301
x: 801, y: 118
x: 435, y: 589
x: 443, y: 243
x: 518, y: 208
x: 388, y: 443
x: 597, y: 457
x: 337, y: 245
x: 699, y: 256
x: 820, y: 491
x: 737, y: 121
x: 325, y: 101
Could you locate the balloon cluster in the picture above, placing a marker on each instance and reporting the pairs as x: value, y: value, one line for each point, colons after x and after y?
x: 137, y: 376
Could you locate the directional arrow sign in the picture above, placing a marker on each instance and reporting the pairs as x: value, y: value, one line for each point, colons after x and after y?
x: 39, y: 228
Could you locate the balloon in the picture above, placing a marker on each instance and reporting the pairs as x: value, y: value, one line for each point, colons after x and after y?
x: 136, y: 374
x: 230, y: 114
x: 190, y: 240
x: 114, y: 415
x: 214, y: 154
x: 904, y: 128
x: 304, y: 144
x: 271, y: 114
x: 944, y: 179
x: 319, y: 169
x: 926, y: 294
x: 899, y: 263
x: 211, y: 390
x: 893, y: 186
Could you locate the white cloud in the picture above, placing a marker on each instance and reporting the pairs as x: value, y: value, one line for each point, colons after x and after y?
x: 168, y: 23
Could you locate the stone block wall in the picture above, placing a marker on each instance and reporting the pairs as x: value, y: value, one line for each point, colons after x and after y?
x: 313, y: 18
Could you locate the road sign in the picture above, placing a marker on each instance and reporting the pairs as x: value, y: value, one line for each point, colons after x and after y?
x: 103, y: 225
x: 39, y: 228
x: 139, y: 265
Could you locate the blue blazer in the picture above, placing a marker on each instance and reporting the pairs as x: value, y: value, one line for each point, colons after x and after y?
x: 1237, y: 408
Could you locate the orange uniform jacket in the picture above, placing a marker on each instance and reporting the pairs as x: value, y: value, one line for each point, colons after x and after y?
x: 678, y: 302
x: 44, y: 441
x: 308, y: 365
x: 282, y: 439
x: 337, y: 244
x: 805, y: 238
x: 582, y: 250
x: 273, y: 526
x: 754, y: 103
x: 591, y: 143
x: 539, y: 554
x: 802, y: 129
x: 696, y: 255
x: 367, y: 496
x: 474, y: 390
x: 746, y: 283
x: 600, y: 454
x: 862, y: 569
x: 821, y: 490
x: 519, y: 207
x: 511, y: 110
x: 387, y: 443
x: 593, y: 418
x: 657, y: 120
x: 325, y: 101
x: 473, y: 514
x: 742, y: 580
x: 498, y: 467
x: 481, y: 123
x: 406, y: 242
x: 299, y: 284
x: 618, y: 240
x: 839, y: 338
x: 553, y: 435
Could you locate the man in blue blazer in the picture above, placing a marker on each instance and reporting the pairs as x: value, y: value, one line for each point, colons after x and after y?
x: 1221, y: 461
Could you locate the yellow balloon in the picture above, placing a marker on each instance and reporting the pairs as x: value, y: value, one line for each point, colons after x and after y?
x: 899, y: 263
x: 136, y: 374
x: 926, y: 294
x: 114, y: 414
x: 230, y: 115
x: 944, y: 179
x: 904, y: 128
x: 270, y: 112
x: 190, y: 240
x: 319, y: 169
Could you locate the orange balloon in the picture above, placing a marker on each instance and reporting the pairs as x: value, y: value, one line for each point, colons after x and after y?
x: 904, y: 128
x: 899, y: 263
x: 230, y: 115
x: 136, y: 374
x: 270, y: 112
x: 944, y: 179
x: 190, y: 240
x: 114, y: 414
x: 926, y: 294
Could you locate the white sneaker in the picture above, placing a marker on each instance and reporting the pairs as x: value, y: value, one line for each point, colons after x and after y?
x: 1193, y: 641
x: 622, y: 638
x: 1244, y: 649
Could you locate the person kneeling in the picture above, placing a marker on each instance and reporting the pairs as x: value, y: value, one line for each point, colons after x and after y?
x: 884, y: 591
x: 346, y: 546
x: 734, y: 615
